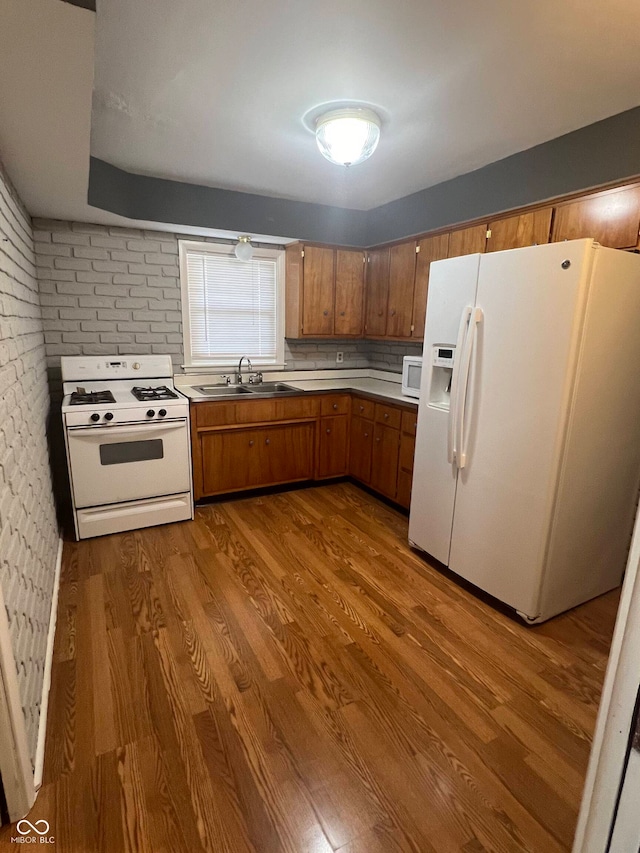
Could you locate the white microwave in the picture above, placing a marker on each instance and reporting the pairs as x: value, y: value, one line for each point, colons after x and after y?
x: 411, y: 375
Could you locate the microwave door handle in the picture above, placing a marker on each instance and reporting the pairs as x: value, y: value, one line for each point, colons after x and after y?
x: 453, y: 397
x: 134, y: 430
x: 472, y: 337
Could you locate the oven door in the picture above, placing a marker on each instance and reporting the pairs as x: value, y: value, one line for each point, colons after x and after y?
x: 128, y: 462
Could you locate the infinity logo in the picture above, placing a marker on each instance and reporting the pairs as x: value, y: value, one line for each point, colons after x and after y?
x: 32, y: 827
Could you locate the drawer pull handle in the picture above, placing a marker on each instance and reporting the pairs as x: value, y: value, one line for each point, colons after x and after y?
x: 251, y: 444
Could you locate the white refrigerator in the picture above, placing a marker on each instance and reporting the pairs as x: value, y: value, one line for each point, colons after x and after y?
x: 527, y: 461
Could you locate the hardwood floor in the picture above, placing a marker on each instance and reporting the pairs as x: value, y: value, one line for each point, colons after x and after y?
x: 284, y: 674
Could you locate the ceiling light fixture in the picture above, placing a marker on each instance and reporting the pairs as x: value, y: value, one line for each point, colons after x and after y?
x: 244, y: 250
x: 348, y: 136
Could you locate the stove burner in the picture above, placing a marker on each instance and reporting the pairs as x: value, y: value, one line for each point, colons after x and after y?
x: 159, y: 393
x: 85, y: 398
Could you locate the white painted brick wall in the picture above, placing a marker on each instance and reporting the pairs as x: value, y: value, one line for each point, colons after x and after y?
x: 28, y: 526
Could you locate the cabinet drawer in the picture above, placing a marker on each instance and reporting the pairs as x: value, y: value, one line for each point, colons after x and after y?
x: 388, y: 415
x: 213, y: 414
x: 409, y: 422
x: 362, y: 408
x: 335, y: 404
x: 255, y: 411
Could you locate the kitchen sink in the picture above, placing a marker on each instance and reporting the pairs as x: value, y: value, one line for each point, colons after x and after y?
x: 221, y: 390
x: 271, y: 388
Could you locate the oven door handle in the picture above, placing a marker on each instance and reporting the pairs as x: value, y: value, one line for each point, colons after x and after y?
x: 120, y: 429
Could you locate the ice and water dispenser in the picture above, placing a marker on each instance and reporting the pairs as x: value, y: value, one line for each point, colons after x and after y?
x: 441, y: 367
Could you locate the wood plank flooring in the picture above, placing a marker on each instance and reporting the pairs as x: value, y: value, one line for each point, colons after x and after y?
x: 285, y: 674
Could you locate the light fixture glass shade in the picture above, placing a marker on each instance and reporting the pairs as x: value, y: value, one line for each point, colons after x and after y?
x: 348, y: 136
x: 244, y: 250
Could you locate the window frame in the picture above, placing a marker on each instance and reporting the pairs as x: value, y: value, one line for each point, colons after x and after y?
x: 276, y: 254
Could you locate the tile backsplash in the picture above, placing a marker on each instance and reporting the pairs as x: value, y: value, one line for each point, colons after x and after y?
x: 109, y: 290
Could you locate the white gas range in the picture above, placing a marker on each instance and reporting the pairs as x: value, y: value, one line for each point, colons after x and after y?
x: 128, y: 447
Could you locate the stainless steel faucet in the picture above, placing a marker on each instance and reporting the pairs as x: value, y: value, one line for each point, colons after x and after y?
x: 240, y: 368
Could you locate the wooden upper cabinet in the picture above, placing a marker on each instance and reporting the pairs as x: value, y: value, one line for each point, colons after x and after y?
x: 318, y: 296
x: 349, y: 300
x: 514, y: 232
x: 402, y: 273
x: 612, y: 218
x: 429, y: 249
x: 467, y: 241
x: 377, y: 277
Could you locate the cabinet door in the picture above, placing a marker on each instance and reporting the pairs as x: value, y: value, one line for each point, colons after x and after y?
x: 333, y: 445
x: 611, y: 218
x: 318, y: 298
x: 430, y: 249
x: 360, y: 449
x: 230, y: 460
x: 528, y: 229
x: 467, y: 241
x: 377, y: 278
x: 402, y: 273
x: 349, y: 293
x: 286, y: 453
x: 384, y: 460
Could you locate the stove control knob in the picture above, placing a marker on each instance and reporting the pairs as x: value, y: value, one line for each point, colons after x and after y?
x: 162, y: 412
x: 95, y: 417
x: 108, y: 416
x: 150, y: 413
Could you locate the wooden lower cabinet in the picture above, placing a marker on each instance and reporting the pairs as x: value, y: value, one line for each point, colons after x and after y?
x: 405, y: 462
x: 333, y: 446
x: 238, y: 459
x: 360, y: 449
x: 384, y: 460
x: 316, y: 438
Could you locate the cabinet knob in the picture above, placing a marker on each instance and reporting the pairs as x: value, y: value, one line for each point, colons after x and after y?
x: 378, y: 438
x: 342, y: 313
x: 335, y: 405
x: 386, y: 414
x: 366, y: 435
x: 379, y: 313
x: 392, y: 312
x: 326, y: 313
x: 362, y: 408
x: 251, y: 444
x: 328, y: 431
x: 267, y: 441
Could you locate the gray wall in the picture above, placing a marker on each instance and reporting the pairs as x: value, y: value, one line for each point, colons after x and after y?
x: 600, y: 153
x: 28, y: 525
x: 107, y: 290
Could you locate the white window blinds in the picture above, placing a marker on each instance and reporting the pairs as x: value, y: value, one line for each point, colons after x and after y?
x: 231, y: 305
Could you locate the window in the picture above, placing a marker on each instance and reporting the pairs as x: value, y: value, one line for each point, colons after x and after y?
x: 231, y: 308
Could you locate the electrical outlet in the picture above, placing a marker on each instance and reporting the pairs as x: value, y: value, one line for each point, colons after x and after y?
x: 339, y: 357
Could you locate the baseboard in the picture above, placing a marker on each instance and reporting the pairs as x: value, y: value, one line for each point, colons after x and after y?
x: 46, y: 681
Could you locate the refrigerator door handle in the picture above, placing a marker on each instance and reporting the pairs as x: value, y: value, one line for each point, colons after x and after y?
x: 455, y: 384
x: 470, y: 343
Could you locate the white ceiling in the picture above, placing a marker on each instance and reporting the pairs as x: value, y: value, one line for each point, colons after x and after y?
x: 215, y: 93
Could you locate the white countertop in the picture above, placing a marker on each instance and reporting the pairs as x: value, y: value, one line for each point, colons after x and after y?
x: 379, y: 382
